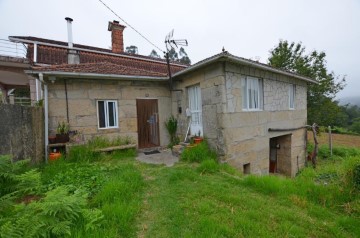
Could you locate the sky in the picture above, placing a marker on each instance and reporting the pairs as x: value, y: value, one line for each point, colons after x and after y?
x: 248, y: 29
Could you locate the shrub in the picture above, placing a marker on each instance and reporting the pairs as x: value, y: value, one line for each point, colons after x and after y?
x: 199, y: 153
x: 351, y: 172
x: 16, y: 181
x: 171, y: 126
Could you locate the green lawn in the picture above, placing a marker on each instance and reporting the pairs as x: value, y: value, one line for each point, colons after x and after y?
x: 131, y: 199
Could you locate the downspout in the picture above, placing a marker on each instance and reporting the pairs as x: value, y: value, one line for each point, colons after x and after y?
x: 37, y: 89
x: 67, y: 102
x: 46, y: 115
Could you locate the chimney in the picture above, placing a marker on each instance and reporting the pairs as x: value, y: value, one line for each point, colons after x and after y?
x: 117, y: 39
x: 73, y: 55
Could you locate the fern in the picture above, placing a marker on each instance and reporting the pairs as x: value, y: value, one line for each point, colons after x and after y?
x: 54, y: 215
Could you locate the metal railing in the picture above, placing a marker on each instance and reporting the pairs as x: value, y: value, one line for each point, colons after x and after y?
x: 8, y: 48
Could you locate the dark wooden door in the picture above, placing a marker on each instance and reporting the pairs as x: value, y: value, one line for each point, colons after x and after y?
x: 148, y: 122
x: 273, y: 155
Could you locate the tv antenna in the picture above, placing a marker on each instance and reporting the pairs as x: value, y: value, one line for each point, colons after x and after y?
x: 170, y: 43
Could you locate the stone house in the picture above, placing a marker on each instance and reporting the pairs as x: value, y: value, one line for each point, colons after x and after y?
x: 252, y: 114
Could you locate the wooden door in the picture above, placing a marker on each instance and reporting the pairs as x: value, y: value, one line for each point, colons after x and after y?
x: 148, y: 122
x: 273, y: 155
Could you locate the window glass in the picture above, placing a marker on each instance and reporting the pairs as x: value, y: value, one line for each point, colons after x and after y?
x: 291, y: 96
x: 107, y: 114
x: 101, y: 109
x: 252, y: 93
x: 111, y: 108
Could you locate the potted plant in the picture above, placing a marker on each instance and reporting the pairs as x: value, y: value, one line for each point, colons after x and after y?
x: 62, y: 135
x: 198, y: 139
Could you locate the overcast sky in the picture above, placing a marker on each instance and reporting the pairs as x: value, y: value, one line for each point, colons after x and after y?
x: 245, y: 28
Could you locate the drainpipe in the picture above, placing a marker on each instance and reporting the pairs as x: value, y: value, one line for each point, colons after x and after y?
x: 46, y: 115
x: 37, y: 89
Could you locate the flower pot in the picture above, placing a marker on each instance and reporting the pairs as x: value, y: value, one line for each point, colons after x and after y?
x: 52, y: 139
x: 54, y: 156
x: 198, y: 140
x: 62, y: 138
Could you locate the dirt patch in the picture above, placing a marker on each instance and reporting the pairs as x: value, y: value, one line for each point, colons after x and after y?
x: 29, y: 198
x: 338, y: 139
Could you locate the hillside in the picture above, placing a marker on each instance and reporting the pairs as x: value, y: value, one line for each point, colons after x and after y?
x: 350, y: 100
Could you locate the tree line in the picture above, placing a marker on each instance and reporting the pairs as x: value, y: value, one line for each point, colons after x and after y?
x: 181, y: 56
x: 322, y: 108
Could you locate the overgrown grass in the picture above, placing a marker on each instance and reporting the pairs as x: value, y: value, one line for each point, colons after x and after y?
x: 185, y: 202
x: 102, y: 142
x: 198, y: 197
x: 198, y: 153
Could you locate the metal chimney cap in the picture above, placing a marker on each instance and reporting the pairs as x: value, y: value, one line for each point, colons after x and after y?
x: 68, y: 19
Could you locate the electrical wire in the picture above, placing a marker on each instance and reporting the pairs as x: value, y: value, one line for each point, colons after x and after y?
x: 131, y: 26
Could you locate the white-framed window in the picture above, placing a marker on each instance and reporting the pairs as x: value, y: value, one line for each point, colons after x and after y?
x: 252, y: 93
x: 292, y: 96
x: 107, y: 111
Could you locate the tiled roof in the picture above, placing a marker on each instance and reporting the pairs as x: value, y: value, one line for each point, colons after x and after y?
x: 47, y: 54
x: 99, y: 68
x: 232, y: 58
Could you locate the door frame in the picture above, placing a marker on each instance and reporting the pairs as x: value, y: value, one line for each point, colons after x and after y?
x: 273, y: 149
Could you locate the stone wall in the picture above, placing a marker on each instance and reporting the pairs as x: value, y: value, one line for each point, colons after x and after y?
x: 246, y: 132
x: 241, y: 137
x: 83, y: 95
x: 22, y: 132
x: 212, y: 83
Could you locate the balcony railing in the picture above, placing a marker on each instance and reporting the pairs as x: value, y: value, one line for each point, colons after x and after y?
x: 12, y: 49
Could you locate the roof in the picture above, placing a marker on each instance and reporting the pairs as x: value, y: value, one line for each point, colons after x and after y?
x: 51, y: 52
x: 226, y: 56
x: 105, y: 68
x: 54, y: 43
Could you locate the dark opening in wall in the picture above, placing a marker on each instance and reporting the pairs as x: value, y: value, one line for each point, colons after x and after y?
x: 246, y: 168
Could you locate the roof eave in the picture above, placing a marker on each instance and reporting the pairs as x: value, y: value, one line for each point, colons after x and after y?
x: 271, y: 69
x: 197, y: 66
x: 244, y: 62
x: 96, y: 76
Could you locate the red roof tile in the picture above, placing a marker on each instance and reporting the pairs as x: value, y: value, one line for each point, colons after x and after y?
x: 58, y: 55
x: 99, y: 68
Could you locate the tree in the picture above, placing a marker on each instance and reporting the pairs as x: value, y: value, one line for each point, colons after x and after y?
x: 184, y: 58
x: 355, y: 127
x: 132, y: 49
x: 322, y: 108
x: 173, y: 55
x: 154, y: 54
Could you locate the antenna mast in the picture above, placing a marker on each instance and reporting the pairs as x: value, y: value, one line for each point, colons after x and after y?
x: 170, y: 43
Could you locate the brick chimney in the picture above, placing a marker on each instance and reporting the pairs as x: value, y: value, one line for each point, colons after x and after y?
x: 117, y: 39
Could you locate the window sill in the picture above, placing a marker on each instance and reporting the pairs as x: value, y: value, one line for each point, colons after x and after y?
x: 252, y: 110
x: 108, y: 128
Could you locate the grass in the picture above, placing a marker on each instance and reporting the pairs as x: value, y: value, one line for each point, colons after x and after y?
x: 186, y: 203
x: 199, y: 197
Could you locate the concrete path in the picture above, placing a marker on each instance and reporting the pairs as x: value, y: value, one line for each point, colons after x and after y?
x: 164, y: 157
